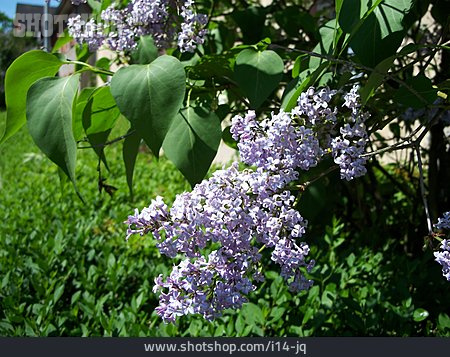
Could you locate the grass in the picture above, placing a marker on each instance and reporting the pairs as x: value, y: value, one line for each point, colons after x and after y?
x: 66, y: 269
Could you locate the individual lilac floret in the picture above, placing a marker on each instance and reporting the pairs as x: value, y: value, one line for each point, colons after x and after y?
x: 443, y: 258
x: 443, y: 222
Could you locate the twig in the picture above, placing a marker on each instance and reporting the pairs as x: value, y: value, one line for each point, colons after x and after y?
x: 408, y: 140
x: 211, y: 12
x: 397, y: 146
x: 109, y: 142
x: 302, y: 187
x: 422, y: 190
x: 91, y: 68
x: 443, y: 33
x: 326, y: 172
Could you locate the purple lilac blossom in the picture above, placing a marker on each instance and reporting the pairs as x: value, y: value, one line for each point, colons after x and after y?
x: 348, y: 147
x: 429, y: 114
x: 274, y: 143
x: 120, y: 28
x: 190, y: 35
x: 287, y: 140
x: 443, y: 222
x: 315, y: 106
x: 86, y: 31
x: 243, y: 211
x: 443, y: 258
x: 206, y: 287
x: 246, y: 211
x: 299, y: 139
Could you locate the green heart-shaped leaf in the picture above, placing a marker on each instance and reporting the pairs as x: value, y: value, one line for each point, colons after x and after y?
x: 376, y: 28
x: 80, y: 104
x: 258, y: 74
x: 22, y: 73
x: 99, y: 116
x: 130, y: 150
x: 424, y: 92
x: 150, y: 96
x: 146, y: 52
x: 192, y: 142
x: 49, y: 114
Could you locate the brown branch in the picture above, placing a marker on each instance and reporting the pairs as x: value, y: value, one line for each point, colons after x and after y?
x: 108, y: 142
x: 422, y: 190
x: 318, y: 177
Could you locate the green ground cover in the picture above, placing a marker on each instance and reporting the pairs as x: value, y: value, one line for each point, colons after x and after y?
x: 66, y: 269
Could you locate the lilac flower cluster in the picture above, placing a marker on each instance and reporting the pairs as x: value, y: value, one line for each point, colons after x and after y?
x: 86, y: 31
x: 350, y: 145
x: 443, y: 256
x: 274, y: 143
x: 192, y: 28
x: 119, y: 28
x: 443, y: 222
x: 315, y: 106
x: 299, y: 139
x: 243, y: 211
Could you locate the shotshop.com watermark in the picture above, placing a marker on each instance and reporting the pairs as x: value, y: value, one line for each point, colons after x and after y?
x: 295, y: 348
x: 38, y: 25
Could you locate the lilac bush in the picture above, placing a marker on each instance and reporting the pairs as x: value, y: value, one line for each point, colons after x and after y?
x: 119, y: 28
x: 245, y: 212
